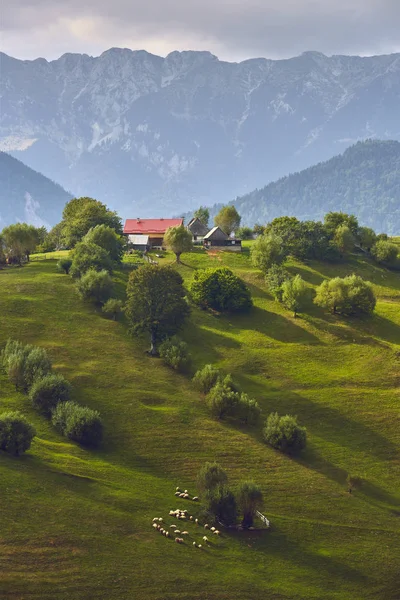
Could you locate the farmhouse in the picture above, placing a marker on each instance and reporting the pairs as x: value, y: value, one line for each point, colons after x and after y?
x: 197, y: 229
x: 148, y: 232
x: 218, y: 240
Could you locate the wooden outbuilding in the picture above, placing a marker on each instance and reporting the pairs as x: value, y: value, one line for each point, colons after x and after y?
x: 216, y: 239
x: 197, y: 229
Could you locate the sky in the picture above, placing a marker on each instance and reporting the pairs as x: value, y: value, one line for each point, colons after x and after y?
x: 231, y: 29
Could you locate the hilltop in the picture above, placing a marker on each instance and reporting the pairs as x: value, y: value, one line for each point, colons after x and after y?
x: 28, y: 196
x: 77, y: 523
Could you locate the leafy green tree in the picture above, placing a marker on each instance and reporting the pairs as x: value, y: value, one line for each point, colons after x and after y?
x: 16, y: 433
x: 366, y: 237
x: 333, y: 220
x: 49, y: 391
x: 248, y: 410
x: 244, y: 233
x: 348, y: 296
x: 54, y: 239
x: 37, y: 365
x: 175, y: 354
x: 221, y: 290
x: 250, y: 499
x: 64, y: 265
x: 385, y: 253
x: 221, y: 504
x: 344, y: 239
x: 20, y: 240
x: 266, y: 251
x: 107, y: 238
x: 87, y: 255
x: 288, y: 230
x: 96, y: 286
x: 222, y: 400
x: 274, y: 279
x: 206, y: 378
x: 203, y: 214
x: 179, y: 240
x: 258, y: 229
x: 228, y: 219
x: 295, y: 294
x: 113, y: 308
x: 156, y: 302
x: 210, y: 477
x: 78, y: 423
x: 285, y: 434
x: 82, y: 214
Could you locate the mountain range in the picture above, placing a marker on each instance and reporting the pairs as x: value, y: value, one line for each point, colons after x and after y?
x: 28, y: 196
x: 152, y: 136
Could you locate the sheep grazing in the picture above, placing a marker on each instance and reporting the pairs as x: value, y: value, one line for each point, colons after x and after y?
x: 195, y: 498
x: 167, y: 534
x: 176, y: 531
x: 205, y: 538
x: 191, y: 518
x: 196, y: 521
x: 182, y: 495
x: 212, y: 529
x: 160, y: 520
x: 186, y: 496
x: 158, y: 527
x: 178, y: 489
x: 155, y: 525
x: 194, y: 544
x: 186, y: 491
x: 185, y: 533
x: 177, y: 493
x: 155, y: 519
x: 206, y: 526
x: 199, y: 546
x: 216, y: 532
x: 172, y: 526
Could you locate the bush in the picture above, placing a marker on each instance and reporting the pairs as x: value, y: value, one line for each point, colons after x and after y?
x: 24, y: 363
x: 221, y: 290
x: 64, y: 265
x: 49, y: 391
x: 348, y: 296
x: 221, y: 504
x: 294, y: 294
x: 206, y: 378
x: 210, y: 476
x: 248, y: 410
x: 385, y: 252
x: 16, y: 433
x: 113, y: 308
x: 11, y: 348
x: 87, y: 255
x: 268, y: 250
x: 175, y: 354
x: 78, y: 423
x: 108, y: 239
x: 37, y: 365
x: 96, y: 286
x: 284, y: 433
x: 274, y: 279
x: 223, y: 399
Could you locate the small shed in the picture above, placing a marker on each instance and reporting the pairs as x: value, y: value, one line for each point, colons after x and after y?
x: 197, y: 229
x: 139, y: 242
x: 218, y: 240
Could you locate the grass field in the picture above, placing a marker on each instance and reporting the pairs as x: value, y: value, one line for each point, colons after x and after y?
x: 76, y: 524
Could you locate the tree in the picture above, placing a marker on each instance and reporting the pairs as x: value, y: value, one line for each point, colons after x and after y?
x: 266, y: 251
x: 250, y: 499
x: 258, y: 229
x: 228, y: 219
x: 385, y: 253
x: 107, y: 238
x: 156, y: 302
x: 348, y: 296
x: 175, y: 354
x: 333, y: 220
x: 78, y: 423
x: 221, y: 290
x: 206, y: 378
x: 210, y: 477
x: 54, y: 239
x: 245, y: 233
x: 203, y: 214
x: 96, y: 286
x: 16, y: 433
x: 179, y: 240
x: 20, y: 240
x: 288, y: 230
x: 64, y: 265
x: 221, y: 504
x: 284, y: 433
x: 344, y: 239
x: 248, y: 410
x: 222, y: 400
x: 113, y: 308
x: 274, y: 279
x: 37, y: 365
x: 294, y: 294
x: 82, y: 214
x: 87, y: 255
x: 366, y: 237
x: 49, y: 391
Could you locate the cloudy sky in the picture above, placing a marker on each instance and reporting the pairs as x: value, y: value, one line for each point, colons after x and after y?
x: 231, y: 29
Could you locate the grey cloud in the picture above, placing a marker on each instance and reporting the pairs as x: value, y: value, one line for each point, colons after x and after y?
x: 233, y: 28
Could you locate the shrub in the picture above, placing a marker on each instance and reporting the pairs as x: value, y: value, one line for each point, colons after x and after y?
x: 385, y: 252
x: 78, y: 423
x: 15, y: 369
x: 348, y: 296
x: 210, y: 476
x: 206, y: 378
x: 268, y: 250
x: 284, y: 433
x: 222, y: 400
x: 87, y: 255
x: 12, y: 347
x: 274, y: 279
x: 221, y: 290
x: 221, y: 504
x: 108, y: 239
x: 37, y: 365
x: 294, y: 294
x: 113, y: 308
x: 250, y: 499
x: 48, y: 391
x: 96, y: 286
x: 244, y: 233
x: 175, y: 354
x: 64, y: 265
x: 16, y: 433
x: 248, y: 410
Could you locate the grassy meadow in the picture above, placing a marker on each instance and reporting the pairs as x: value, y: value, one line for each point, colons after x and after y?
x: 76, y: 523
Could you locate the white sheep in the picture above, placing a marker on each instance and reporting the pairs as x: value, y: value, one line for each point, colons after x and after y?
x: 191, y: 518
x: 177, y: 489
x: 186, y: 496
x: 160, y: 520
x: 167, y: 534
x: 205, y: 538
x: 176, y: 531
x: 185, y: 533
x: 195, y: 498
x: 155, y: 525
x: 172, y: 526
x: 212, y: 529
x: 216, y: 532
x: 206, y: 526
x: 182, y: 495
x: 199, y: 546
x: 186, y: 492
x: 155, y: 519
x: 194, y: 544
x: 177, y: 493
x: 196, y: 521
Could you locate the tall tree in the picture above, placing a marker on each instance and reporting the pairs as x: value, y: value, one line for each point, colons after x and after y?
x: 344, y: 239
x: 107, y: 238
x: 250, y: 499
x: 333, y: 220
x: 294, y: 294
x: 20, y: 240
x: 203, y: 214
x: 179, y: 240
x: 82, y: 214
x: 211, y: 476
x: 266, y: 251
x: 228, y: 219
x: 156, y: 302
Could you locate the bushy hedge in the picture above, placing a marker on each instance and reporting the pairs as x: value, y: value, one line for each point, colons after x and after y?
x: 206, y: 378
x: 175, y: 354
x: 16, y: 433
x: 96, y: 286
x: 48, y: 391
x: 113, y: 308
x: 64, y: 265
x: 221, y: 290
x: 284, y: 433
x: 88, y: 255
x: 78, y: 423
x: 24, y: 364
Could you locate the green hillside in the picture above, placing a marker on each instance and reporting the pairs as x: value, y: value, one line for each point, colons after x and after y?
x: 364, y: 181
x: 76, y: 523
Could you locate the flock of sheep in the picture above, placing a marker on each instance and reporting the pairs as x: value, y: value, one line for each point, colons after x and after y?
x: 174, y: 532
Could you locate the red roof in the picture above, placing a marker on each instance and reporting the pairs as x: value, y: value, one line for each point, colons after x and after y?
x: 147, y: 226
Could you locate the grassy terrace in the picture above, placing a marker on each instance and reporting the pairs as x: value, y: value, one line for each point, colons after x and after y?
x: 75, y: 524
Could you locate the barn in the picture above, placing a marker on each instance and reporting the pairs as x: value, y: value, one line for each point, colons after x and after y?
x: 216, y: 239
x: 148, y: 231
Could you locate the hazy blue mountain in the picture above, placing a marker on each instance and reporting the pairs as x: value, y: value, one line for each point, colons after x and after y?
x: 364, y: 181
x: 151, y: 135
x: 28, y: 196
